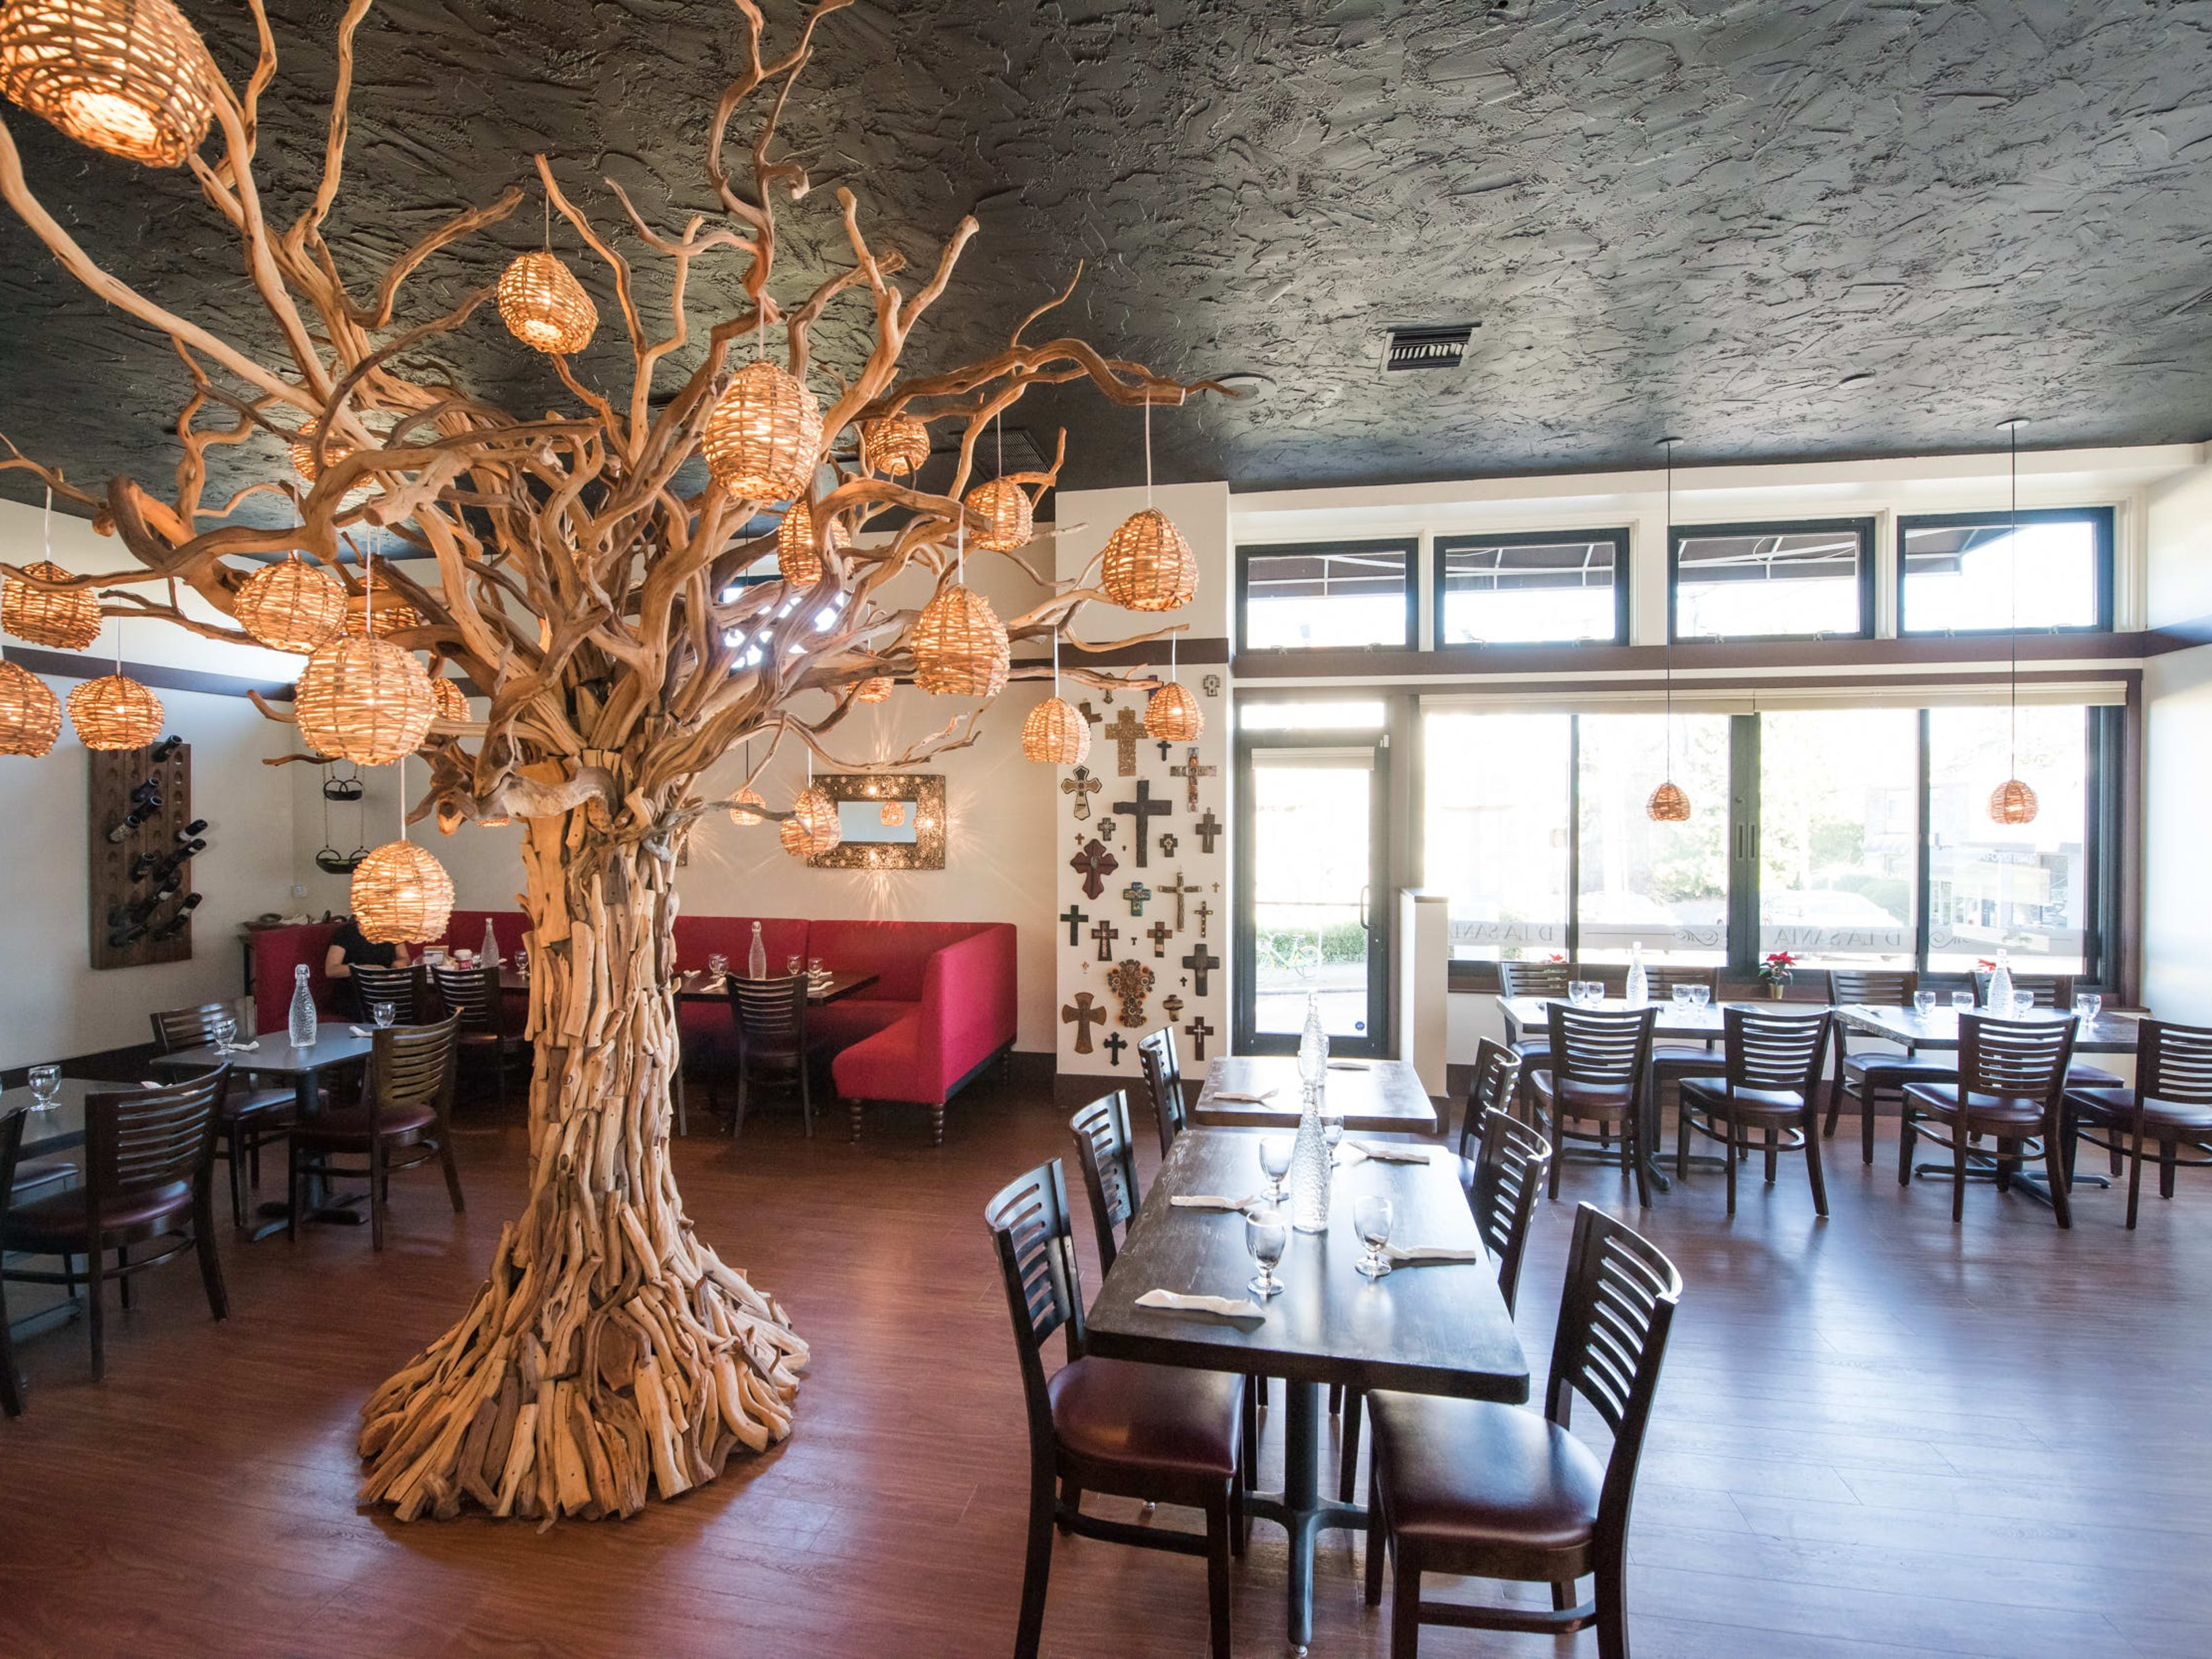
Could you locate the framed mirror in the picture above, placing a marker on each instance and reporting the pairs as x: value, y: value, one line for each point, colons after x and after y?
x: 890, y: 820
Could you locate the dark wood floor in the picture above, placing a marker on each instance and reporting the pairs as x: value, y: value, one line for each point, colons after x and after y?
x: 1877, y: 1435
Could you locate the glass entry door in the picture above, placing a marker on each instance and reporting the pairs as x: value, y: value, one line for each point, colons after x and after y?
x: 1312, y: 906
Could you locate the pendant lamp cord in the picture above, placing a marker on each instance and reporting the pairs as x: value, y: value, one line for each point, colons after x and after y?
x: 2012, y: 428
x: 1670, y: 443
x: 1148, y: 452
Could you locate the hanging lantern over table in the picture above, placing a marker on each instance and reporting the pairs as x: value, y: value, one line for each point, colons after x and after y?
x: 1147, y: 564
x: 1669, y: 805
x: 115, y: 712
x: 1171, y: 714
x: 959, y: 644
x: 402, y: 895
x: 364, y: 700
x: 544, y: 306
x: 1056, y: 734
x: 813, y: 828
x: 739, y: 815
x: 65, y: 618
x: 1004, y: 507
x: 763, y: 436
x: 897, y: 444
x: 447, y: 700
x: 2013, y: 802
x: 386, y: 615
x: 131, y: 77
x: 797, y: 557
x: 301, y: 449
x: 30, y: 714
x: 291, y: 606
x: 878, y: 690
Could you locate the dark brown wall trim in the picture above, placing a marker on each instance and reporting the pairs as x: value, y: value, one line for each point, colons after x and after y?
x: 1188, y: 650
x: 68, y: 665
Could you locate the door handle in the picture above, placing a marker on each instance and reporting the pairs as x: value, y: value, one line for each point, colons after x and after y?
x: 1362, y: 911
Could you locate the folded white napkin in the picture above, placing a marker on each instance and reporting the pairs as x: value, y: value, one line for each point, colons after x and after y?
x: 361, y: 1030
x: 1206, y: 1201
x: 1412, y: 1255
x: 1349, y: 1066
x: 1383, y: 1152
x: 1236, y: 1098
x: 1227, y: 1307
x: 241, y: 1048
x: 152, y: 1085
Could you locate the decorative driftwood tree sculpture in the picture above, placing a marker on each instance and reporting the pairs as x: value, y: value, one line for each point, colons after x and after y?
x: 609, y: 603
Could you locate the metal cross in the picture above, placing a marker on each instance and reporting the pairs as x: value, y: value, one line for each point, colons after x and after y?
x: 1082, y: 1016
x: 1125, y: 733
x: 1159, y: 932
x: 1198, y: 1031
x: 1074, y: 918
x: 1202, y: 913
x: 1172, y: 1007
x: 1089, y: 712
x: 1168, y: 843
x: 1114, y: 1044
x: 1208, y: 827
x: 1190, y: 772
x: 1129, y: 981
x: 1105, y: 933
x: 1142, y: 808
x: 1167, y: 748
x: 1082, y: 786
x: 1200, y: 962
x: 1094, y: 864
x: 1179, y: 892
x: 1136, y: 892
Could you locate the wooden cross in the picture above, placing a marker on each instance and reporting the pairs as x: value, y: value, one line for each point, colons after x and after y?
x: 1129, y: 981
x: 1168, y: 843
x: 1208, y: 827
x: 1200, y: 962
x: 1094, y: 864
x: 1125, y: 733
x: 1114, y: 1044
x: 1106, y: 827
x: 1181, y: 891
x: 1082, y: 1016
x: 1166, y: 748
x: 1159, y: 932
x: 1202, y: 913
x: 1089, y: 712
x: 1198, y: 1031
x: 1082, y: 786
x: 1074, y: 918
x: 1105, y: 933
x: 1172, y: 1007
x: 1136, y: 892
x: 1190, y: 772
x: 1140, y: 808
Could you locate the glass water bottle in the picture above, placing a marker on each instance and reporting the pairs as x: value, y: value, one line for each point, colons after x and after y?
x: 300, y: 1027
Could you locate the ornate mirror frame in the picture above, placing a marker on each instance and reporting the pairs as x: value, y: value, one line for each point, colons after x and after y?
x: 925, y: 789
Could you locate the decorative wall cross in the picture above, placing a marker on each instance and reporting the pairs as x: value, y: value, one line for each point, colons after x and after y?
x: 1082, y: 1016
x: 1172, y: 1007
x: 1201, y: 913
x: 1094, y: 864
x: 1082, y: 786
x: 1105, y: 933
x: 1106, y: 827
x: 1114, y: 1044
x: 1126, y: 732
x: 1159, y: 932
x: 1208, y: 827
x: 1190, y: 772
x: 1166, y: 748
x: 1136, y: 892
x: 1142, y: 808
x: 1181, y: 891
x: 1168, y: 843
x: 1091, y: 714
x: 1129, y: 981
x: 1198, y: 1031
x: 1074, y: 918
x: 1200, y: 962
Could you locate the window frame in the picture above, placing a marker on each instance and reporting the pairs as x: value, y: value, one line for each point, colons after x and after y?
x: 1409, y: 546
x: 1441, y: 545
x: 1864, y: 528
x: 2101, y: 519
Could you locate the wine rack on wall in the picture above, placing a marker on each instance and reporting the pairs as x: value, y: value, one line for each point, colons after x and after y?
x: 142, y: 836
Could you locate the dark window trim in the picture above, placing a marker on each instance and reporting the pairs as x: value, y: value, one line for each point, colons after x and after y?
x: 2100, y: 519
x: 1408, y: 545
x: 1443, y: 544
x: 1863, y: 528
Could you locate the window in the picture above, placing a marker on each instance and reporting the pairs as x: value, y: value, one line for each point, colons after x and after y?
x: 1564, y: 587
x: 1664, y: 886
x: 1772, y: 581
x: 1839, y: 836
x: 1497, y: 806
x: 1310, y: 714
x: 1344, y: 594
x: 2023, y: 888
x: 1962, y: 573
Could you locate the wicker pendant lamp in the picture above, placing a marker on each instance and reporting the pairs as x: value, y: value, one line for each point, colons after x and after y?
x: 384, y: 618
x: 897, y: 445
x: 1669, y: 805
x: 301, y: 449
x: 363, y: 699
x: 131, y: 77
x: 2013, y: 802
x: 878, y: 690
x: 1055, y: 734
x: 813, y: 828
x: 1171, y: 713
x: 114, y: 711
x: 401, y: 894
x: 747, y: 796
x: 30, y: 714
x: 764, y: 435
x: 958, y: 642
x: 66, y: 618
x: 797, y: 554
x: 1004, y: 507
x: 447, y: 700
x: 291, y: 606
x: 543, y: 304
x: 1147, y: 565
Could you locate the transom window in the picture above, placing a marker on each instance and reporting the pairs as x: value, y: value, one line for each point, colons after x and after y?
x: 1976, y: 574
x: 1555, y: 587
x: 1334, y: 593
x: 1770, y: 581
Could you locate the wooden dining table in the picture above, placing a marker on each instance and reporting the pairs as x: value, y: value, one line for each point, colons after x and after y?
x: 1373, y: 1096
x: 1438, y: 1328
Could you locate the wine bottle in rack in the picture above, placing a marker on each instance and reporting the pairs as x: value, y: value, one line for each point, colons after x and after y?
x: 190, y: 830
x: 166, y: 747
x: 130, y: 821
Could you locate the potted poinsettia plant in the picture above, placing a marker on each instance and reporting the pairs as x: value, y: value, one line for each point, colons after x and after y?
x: 1774, y: 970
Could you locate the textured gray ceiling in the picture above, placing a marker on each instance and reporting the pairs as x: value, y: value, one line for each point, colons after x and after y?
x: 1822, y: 228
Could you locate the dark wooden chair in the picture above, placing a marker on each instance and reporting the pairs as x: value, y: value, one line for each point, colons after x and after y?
x: 2053, y: 991
x: 1152, y: 1432
x: 1535, y: 979
x: 1876, y: 1076
x: 1770, y: 1084
x: 770, y: 1018
x: 148, y: 1174
x: 1108, y: 1162
x: 2012, y: 1078
x: 1484, y: 1491
x: 1156, y: 1057
x: 250, y: 1118
x: 402, y: 1119
x: 1497, y: 1085
x: 472, y: 998
x: 400, y: 986
x: 1672, y: 1061
x: 2171, y: 1104
x: 11, y: 1188
x: 1597, y: 1072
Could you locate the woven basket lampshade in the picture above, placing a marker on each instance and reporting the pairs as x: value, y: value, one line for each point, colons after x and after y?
x: 1171, y: 714
x: 291, y: 606
x: 1669, y: 805
x: 897, y: 444
x: 365, y: 701
x: 878, y: 690
x: 30, y: 715
x: 739, y: 815
x: 1004, y: 507
x: 115, y: 712
x: 1057, y: 734
x: 2011, y: 802
x: 402, y: 895
x: 131, y: 77
x: 67, y: 618
x: 959, y: 646
x: 388, y: 615
x: 301, y: 449
x: 447, y: 699
x: 1147, y: 564
x: 764, y: 435
x: 812, y: 826
x: 795, y: 553
x: 544, y: 306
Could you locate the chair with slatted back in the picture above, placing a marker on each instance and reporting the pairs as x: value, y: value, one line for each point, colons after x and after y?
x: 770, y: 1018
x: 1597, y: 1072
x: 397, y: 986
x: 1770, y: 1085
x: 148, y: 1174
x: 1108, y: 1162
x: 401, y: 1120
x: 1155, y: 1056
x: 2171, y: 1104
x: 2052, y: 991
x: 1497, y: 1083
x: 1671, y: 1062
x: 473, y: 997
x: 1478, y: 1490
x: 1155, y: 1433
x: 1876, y: 1078
x: 2012, y: 1078
x: 11, y: 1148
x: 1537, y: 980
x: 250, y: 1117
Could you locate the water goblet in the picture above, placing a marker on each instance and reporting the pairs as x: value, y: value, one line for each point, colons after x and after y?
x: 1924, y: 1003
x: 2023, y: 1004
x: 383, y: 1013
x: 814, y: 968
x: 522, y: 960
x: 45, y: 1086
x: 1275, y: 1163
x: 791, y: 966
x: 718, y: 966
x: 2085, y: 1007
x: 1266, y: 1235
x: 1700, y: 995
x: 1371, y: 1216
x: 1682, y: 996
x: 1332, y: 1123
x: 1963, y: 1001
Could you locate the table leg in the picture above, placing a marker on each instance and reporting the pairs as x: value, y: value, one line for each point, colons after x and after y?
x: 1647, y: 1134
x: 1299, y: 1509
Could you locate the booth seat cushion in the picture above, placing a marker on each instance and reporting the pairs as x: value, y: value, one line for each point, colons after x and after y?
x: 840, y: 1024
x: 896, y: 952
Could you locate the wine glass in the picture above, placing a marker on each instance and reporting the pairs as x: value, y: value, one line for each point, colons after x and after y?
x: 1963, y: 1001
x: 1682, y: 996
x: 1700, y: 995
x: 45, y: 1086
x: 1266, y: 1237
x: 222, y: 1027
x: 791, y: 967
x: 522, y: 961
x: 1924, y: 1003
x: 2085, y: 1007
x: 814, y: 968
x: 1275, y: 1163
x: 2023, y: 1004
x: 1332, y: 1122
x: 383, y: 1013
x: 1371, y: 1216
x: 718, y: 966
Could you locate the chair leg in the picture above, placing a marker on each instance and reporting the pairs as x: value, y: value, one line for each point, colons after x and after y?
x: 453, y: 1173
x: 1959, y: 1169
x: 122, y: 1275
x: 1037, y: 1568
x: 2054, y: 1174
x: 2135, y: 1174
x: 1773, y: 1146
x: 377, y: 1192
x: 1735, y: 1136
x: 2167, y: 1155
x: 237, y: 1140
x: 806, y: 1097
x: 1836, y: 1091
x: 1071, y: 1505
x: 1405, y: 1606
x: 937, y: 1123
x: 1378, y: 1535
x: 1631, y: 1144
x: 1612, y: 1598
x: 1905, y: 1136
x: 95, y: 1285
x: 11, y: 1384
x: 1249, y: 1460
x: 1558, y: 1157
x: 1562, y: 1595
x: 1218, y: 1541
x: 1240, y: 1520
x: 1681, y: 1135
x: 204, y: 1244
x: 1813, y: 1166
x: 1347, y: 1473
x: 295, y: 1191
x: 852, y: 1107
x: 1866, y: 1122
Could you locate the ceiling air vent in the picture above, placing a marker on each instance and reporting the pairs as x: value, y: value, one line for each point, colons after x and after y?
x: 1426, y: 345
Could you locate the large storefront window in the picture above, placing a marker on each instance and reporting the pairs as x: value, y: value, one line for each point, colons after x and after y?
x: 1497, y: 811
x: 1839, y: 836
x: 1661, y: 885
x: 2021, y: 889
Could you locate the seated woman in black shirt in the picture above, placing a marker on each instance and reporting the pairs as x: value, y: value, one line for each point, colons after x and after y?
x: 349, y: 945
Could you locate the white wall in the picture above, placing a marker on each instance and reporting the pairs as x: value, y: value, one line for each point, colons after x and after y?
x: 2177, y: 736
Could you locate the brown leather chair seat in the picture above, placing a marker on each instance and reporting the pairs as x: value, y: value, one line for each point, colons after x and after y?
x: 1983, y: 1111
x: 1150, y: 1417
x: 2092, y: 1076
x: 401, y: 1124
x: 2115, y: 1107
x: 34, y: 1174
x: 262, y: 1105
x: 59, y: 1217
x: 1888, y: 1069
x: 1712, y: 1093
x: 1468, y: 1475
x: 1573, y: 1099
